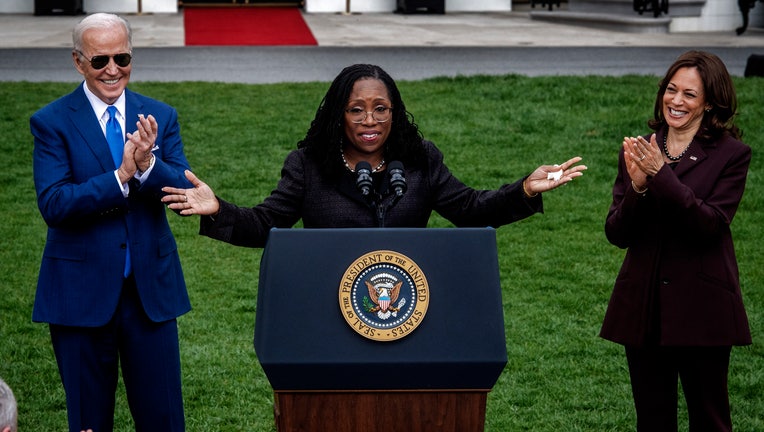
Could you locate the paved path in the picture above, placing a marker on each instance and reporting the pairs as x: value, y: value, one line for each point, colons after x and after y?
x: 256, y: 65
x: 408, y: 46
x: 516, y: 29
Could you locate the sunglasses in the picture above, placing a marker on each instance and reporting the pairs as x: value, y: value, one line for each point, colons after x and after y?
x: 100, y: 61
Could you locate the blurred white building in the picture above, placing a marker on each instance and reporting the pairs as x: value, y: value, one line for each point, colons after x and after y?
x: 684, y: 15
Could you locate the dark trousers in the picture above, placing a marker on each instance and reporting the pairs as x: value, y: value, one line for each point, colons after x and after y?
x: 702, y: 371
x: 89, y: 360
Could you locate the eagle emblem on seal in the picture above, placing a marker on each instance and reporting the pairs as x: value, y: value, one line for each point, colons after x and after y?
x: 384, y: 290
x: 383, y: 295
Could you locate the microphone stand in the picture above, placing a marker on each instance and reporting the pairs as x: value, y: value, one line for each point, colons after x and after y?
x: 398, y: 185
x: 384, y: 206
x: 374, y: 199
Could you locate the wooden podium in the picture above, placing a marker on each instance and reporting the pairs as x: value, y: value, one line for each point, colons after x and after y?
x: 441, y: 410
x: 327, y: 376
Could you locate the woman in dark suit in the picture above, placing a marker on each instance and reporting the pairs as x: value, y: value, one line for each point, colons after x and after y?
x: 362, y: 120
x: 676, y: 305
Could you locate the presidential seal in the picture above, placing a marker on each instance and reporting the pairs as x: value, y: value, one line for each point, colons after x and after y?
x: 384, y: 295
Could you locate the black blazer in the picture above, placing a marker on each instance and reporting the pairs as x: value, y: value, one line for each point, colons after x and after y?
x: 679, y: 283
x: 304, y: 193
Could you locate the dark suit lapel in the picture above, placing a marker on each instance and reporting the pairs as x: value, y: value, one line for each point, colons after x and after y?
x: 695, y: 155
x: 84, y: 120
x: 133, y: 107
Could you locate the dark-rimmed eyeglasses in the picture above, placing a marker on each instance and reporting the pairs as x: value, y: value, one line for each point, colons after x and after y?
x: 100, y: 61
x: 380, y: 114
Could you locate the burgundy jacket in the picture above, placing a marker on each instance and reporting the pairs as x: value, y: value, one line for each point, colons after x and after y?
x: 679, y: 283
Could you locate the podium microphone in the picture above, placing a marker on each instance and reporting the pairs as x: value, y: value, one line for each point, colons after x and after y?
x: 397, y: 179
x: 363, y: 182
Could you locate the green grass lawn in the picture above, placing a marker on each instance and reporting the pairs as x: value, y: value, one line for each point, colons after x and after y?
x: 557, y: 269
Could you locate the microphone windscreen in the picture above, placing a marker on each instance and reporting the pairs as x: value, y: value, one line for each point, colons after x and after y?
x: 363, y: 165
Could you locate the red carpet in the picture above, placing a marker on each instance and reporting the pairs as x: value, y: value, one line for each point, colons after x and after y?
x: 246, y: 26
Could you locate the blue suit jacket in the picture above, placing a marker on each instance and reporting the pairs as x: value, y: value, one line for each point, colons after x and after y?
x: 90, y: 221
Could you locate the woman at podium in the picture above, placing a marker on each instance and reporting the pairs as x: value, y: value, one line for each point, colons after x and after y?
x: 364, y: 163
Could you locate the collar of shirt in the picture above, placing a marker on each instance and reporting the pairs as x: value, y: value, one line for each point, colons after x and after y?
x: 99, y: 108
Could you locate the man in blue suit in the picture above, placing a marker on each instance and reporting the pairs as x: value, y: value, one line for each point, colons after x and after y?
x: 111, y: 284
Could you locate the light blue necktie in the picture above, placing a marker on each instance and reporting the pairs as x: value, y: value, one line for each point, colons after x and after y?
x: 116, y: 145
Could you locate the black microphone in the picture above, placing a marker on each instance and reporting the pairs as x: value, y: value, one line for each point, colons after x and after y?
x: 363, y: 182
x: 397, y: 180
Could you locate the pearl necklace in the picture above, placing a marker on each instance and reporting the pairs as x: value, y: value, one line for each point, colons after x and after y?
x: 347, y: 165
x: 666, y: 151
